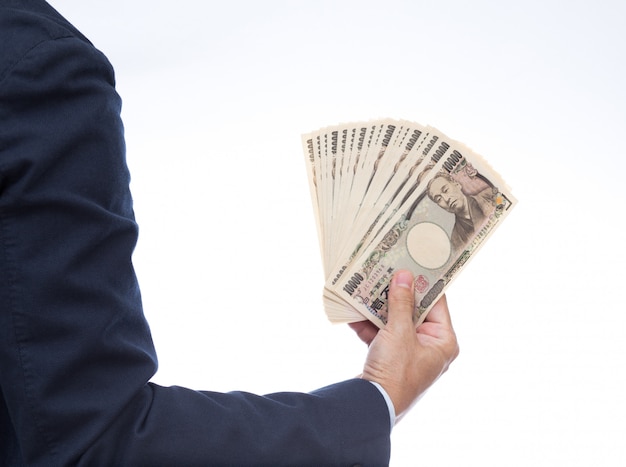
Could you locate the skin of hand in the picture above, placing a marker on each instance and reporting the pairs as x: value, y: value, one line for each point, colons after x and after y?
x: 404, y: 360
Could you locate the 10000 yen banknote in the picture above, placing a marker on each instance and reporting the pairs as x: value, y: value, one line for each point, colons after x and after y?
x: 392, y: 194
x: 434, y: 235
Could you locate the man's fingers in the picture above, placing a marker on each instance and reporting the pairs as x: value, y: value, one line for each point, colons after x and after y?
x: 366, y: 330
x: 440, y: 313
x: 439, y: 326
x: 401, y: 300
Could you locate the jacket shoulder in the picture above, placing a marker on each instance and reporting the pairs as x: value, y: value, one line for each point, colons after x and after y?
x: 24, y: 25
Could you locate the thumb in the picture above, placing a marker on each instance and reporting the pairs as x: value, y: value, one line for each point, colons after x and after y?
x: 401, y: 301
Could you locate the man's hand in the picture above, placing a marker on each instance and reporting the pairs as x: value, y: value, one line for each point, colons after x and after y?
x: 403, y: 360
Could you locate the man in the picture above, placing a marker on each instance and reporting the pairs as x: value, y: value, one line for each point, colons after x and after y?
x: 469, y: 211
x: 76, y: 354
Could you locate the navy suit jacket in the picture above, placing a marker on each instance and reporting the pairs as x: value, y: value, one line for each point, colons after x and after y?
x: 76, y: 354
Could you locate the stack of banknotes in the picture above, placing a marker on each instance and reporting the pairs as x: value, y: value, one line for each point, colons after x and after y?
x: 393, y: 194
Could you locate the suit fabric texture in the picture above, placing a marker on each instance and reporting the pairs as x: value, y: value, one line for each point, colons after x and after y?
x: 76, y: 354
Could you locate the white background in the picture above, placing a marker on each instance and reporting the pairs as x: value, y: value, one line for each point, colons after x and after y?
x: 216, y: 95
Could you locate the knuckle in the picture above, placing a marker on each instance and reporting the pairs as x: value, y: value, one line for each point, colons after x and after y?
x: 453, y: 348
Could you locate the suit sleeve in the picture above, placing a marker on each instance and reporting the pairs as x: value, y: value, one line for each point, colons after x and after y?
x: 76, y: 353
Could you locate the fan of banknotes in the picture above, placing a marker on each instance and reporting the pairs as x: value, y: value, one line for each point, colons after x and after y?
x: 393, y: 194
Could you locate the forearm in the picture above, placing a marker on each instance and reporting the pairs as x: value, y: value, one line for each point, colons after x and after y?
x: 343, y: 424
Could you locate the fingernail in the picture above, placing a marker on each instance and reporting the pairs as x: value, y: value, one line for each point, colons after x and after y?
x: 404, y: 279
